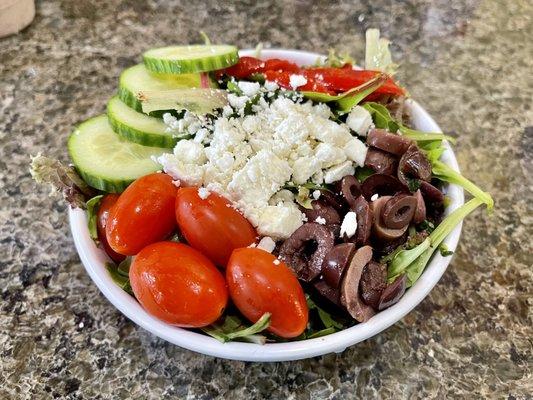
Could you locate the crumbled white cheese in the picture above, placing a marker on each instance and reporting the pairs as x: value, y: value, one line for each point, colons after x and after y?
x: 267, y: 244
x: 271, y: 86
x: 349, y: 224
x: 276, y: 262
x: 203, y: 193
x: 316, y: 194
x: 359, y: 120
x: 374, y: 197
x: 249, y: 89
x: 320, y: 220
x: 339, y: 171
x: 297, y: 80
x: 250, y: 158
x: 356, y: 151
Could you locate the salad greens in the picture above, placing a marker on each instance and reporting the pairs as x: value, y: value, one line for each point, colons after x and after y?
x: 92, y: 211
x: 62, y: 179
x: 377, y: 53
x: 233, y: 328
x: 413, y: 261
x: 120, y: 274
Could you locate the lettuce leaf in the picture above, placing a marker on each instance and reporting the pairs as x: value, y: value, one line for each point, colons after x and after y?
x: 92, y: 213
x: 377, y: 53
x: 61, y: 178
x: 233, y: 328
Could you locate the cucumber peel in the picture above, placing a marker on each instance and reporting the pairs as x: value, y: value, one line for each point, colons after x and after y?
x: 190, y: 59
x: 138, y: 127
x: 105, y: 160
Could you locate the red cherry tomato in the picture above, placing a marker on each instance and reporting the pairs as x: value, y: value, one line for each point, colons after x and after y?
x: 143, y: 214
x: 212, y: 225
x: 106, y: 203
x: 178, y: 285
x: 258, y: 284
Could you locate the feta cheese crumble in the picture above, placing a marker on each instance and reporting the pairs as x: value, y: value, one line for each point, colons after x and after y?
x: 297, y: 80
x: 359, y: 120
x: 203, y: 193
x: 349, y: 224
x: 320, y: 220
x: 276, y: 262
x: 267, y: 244
x: 374, y: 197
x: 249, y: 158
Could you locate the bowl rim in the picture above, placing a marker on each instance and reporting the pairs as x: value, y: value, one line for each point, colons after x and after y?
x: 94, y: 260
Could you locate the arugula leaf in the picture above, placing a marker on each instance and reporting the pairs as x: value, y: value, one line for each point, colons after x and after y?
x: 350, y: 98
x: 414, y: 261
x: 323, y: 332
x: 119, y: 277
x: 232, y: 328
x: 445, y: 173
x: 92, y: 212
x: 61, y: 178
x: 377, y: 53
x: 325, y: 317
x: 384, y: 120
x: 361, y: 173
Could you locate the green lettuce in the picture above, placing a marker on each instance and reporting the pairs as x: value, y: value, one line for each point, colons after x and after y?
x: 377, y: 54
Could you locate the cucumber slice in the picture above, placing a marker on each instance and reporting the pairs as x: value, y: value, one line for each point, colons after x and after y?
x: 105, y: 160
x: 188, y: 59
x: 138, y: 79
x: 195, y: 100
x: 138, y: 127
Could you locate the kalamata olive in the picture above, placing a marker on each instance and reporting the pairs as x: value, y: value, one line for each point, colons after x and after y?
x: 364, y: 221
x: 380, y: 230
x: 398, y: 211
x: 373, y: 282
x: 414, y: 164
x: 382, y: 185
x: 336, y: 262
x: 381, y: 162
x: 334, y: 200
x: 350, y: 286
x: 332, y: 294
x: 393, y: 292
x: 389, y: 142
x: 305, y: 249
x: 350, y: 189
x: 420, y: 211
x: 431, y: 194
x: 322, y: 210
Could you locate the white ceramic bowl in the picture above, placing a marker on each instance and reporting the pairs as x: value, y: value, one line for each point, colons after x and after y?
x: 93, y: 259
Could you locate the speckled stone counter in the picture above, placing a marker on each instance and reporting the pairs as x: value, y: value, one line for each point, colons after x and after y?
x: 469, y: 62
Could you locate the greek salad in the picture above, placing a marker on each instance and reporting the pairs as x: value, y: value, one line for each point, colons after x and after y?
x: 260, y: 200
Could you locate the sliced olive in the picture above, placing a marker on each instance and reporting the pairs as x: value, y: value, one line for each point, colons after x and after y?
x: 350, y: 189
x: 364, y: 221
x: 389, y: 142
x: 414, y: 164
x: 305, y: 249
x: 332, y: 294
x: 393, y: 292
x: 381, y: 162
x: 382, y: 185
x: 431, y: 194
x: 373, y: 282
x: 398, y: 211
x: 378, y: 227
x: 336, y: 262
x: 322, y: 210
x: 420, y: 212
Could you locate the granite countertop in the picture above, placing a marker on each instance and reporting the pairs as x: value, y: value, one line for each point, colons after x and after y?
x: 469, y: 62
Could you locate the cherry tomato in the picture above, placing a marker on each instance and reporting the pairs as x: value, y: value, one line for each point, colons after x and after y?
x: 106, y: 203
x: 178, y: 285
x: 143, y: 214
x: 212, y: 225
x: 258, y: 284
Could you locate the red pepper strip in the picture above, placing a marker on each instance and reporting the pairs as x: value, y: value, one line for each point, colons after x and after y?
x: 283, y: 80
x: 244, y: 68
x: 343, y: 79
x: 276, y: 64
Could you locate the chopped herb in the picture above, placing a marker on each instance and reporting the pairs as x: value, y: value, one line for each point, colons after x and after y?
x: 413, y: 184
